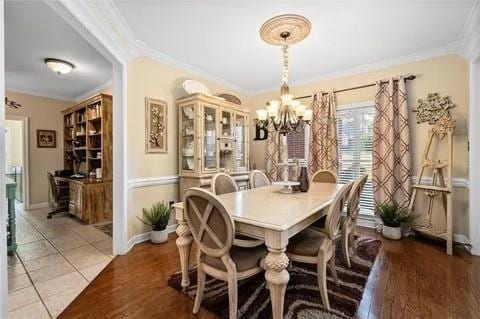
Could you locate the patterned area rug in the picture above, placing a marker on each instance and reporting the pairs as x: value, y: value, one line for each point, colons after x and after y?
x: 302, y: 299
x: 105, y: 228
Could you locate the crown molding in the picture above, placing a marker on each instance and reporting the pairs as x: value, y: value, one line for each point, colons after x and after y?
x: 470, y: 38
x: 175, y: 63
x: 107, y: 21
x: 93, y: 91
x: 17, y: 89
x: 98, y: 17
x: 452, y: 48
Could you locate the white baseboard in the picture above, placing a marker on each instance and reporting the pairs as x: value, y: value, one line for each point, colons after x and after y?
x: 140, y: 238
x: 38, y: 206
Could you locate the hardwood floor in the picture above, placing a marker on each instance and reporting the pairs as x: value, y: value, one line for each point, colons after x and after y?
x: 410, y: 279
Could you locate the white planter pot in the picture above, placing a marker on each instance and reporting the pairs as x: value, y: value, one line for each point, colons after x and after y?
x: 158, y: 237
x: 392, y: 232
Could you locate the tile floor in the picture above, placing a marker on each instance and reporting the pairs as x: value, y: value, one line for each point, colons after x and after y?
x: 56, y: 259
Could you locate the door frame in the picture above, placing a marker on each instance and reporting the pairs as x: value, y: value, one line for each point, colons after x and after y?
x: 80, y: 17
x: 25, y: 157
x: 474, y: 154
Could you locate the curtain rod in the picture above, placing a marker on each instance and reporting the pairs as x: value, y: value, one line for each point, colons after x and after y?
x: 407, y: 78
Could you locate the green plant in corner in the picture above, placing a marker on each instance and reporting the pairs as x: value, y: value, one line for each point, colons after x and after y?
x: 392, y: 215
x: 157, y: 216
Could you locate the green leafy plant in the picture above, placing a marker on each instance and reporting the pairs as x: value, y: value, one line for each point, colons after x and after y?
x: 393, y: 215
x: 157, y: 216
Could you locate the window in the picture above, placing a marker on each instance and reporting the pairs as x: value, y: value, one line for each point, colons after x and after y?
x: 297, y: 143
x: 355, y: 140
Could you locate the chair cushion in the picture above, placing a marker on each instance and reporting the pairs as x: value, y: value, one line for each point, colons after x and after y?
x: 306, y: 243
x: 244, y: 258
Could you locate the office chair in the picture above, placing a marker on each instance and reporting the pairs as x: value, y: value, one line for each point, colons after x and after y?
x: 59, y: 196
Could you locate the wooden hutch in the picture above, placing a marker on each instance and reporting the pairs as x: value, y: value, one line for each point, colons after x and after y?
x: 88, y: 144
x: 213, y: 137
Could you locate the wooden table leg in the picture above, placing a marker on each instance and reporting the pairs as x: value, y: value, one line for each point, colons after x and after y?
x: 277, y: 276
x: 184, y: 243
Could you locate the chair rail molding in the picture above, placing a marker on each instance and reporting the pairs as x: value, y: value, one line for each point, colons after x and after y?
x: 152, y: 181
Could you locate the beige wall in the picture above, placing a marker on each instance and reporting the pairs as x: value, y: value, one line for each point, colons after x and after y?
x: 147, y: 78
x: 43, y: 113
x: 14, y: 144
x: 447, y: 75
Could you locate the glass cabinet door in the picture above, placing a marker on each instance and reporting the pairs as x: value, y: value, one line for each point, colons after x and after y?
x: 226, y: 125
x: 209, y: 138
x: 240, y: 142
x: 187, y: 139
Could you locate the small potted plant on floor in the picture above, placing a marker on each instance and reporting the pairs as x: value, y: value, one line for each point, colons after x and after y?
x: 394, y: 218
x: 157, y: 217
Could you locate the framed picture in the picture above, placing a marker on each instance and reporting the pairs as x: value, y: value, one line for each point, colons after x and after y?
x: 156, y: 126
x: 46, y: 138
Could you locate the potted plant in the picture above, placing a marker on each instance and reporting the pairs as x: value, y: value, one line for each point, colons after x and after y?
x: 394, y: 217
x: 157, y: 217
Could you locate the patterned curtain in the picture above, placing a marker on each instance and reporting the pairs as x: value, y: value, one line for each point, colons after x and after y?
x: 276, y: 153
x: 391, y: 143
x: 323, y: 146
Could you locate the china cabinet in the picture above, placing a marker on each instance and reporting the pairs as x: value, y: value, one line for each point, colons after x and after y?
x: 213, y: 137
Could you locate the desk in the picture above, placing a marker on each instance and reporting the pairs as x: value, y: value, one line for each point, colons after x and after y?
x: 90, y: 199
x: 265, y: 213
x: 11, y: 223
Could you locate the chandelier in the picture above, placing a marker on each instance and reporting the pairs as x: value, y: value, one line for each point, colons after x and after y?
x: 286, y: 114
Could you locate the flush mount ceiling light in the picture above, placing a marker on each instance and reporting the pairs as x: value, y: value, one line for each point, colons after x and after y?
x: 286, y: 114
x: 59, y: 66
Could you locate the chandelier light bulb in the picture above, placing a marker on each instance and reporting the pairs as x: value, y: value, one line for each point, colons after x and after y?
x: 272, y: 108
x: 308, y: 115
x: 262, y: 115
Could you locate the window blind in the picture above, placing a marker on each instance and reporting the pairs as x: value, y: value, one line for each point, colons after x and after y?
x: 296, y: 144
x: 355, y: 141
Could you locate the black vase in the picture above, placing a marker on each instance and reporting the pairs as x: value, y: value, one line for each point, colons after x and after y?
x: 303, y: 179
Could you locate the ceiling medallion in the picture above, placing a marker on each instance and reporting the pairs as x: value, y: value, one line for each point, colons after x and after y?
x: 286, y: 114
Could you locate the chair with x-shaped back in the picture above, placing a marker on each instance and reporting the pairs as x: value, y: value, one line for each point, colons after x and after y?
x: 213, y: 230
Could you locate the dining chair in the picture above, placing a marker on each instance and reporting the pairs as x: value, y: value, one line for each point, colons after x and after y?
x: 324, y: 176
x: 349, y: 221
x: 213, y: 230
x: 314, y: 247
x: 258, y: 179
x: 223, y: 184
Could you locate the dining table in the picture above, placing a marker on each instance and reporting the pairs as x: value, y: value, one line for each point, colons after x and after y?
x: 267, y: 214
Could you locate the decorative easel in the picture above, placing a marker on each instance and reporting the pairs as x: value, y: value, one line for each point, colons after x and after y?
x: 436, y: 111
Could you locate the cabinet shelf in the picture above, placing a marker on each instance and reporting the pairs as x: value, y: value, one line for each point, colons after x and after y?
x: 91, y: 115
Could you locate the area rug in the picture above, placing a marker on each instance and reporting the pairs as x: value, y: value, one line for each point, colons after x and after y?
x: 302, y: 298
x: 105, y: 228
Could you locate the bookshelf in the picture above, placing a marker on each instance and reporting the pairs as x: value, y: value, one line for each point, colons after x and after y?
x: 88, y: 135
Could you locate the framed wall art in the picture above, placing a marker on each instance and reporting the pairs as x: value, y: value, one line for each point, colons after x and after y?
x: 156, y: 126
x: 46, y: 139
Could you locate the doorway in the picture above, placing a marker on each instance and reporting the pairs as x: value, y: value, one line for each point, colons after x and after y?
x: 16, y: 157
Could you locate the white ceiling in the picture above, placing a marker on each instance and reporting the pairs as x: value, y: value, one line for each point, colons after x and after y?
x: 33, y: 31
x: 221, y: 37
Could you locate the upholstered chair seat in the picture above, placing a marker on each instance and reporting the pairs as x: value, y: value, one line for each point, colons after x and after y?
x: 244, y: 258
x: 306, y: 243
